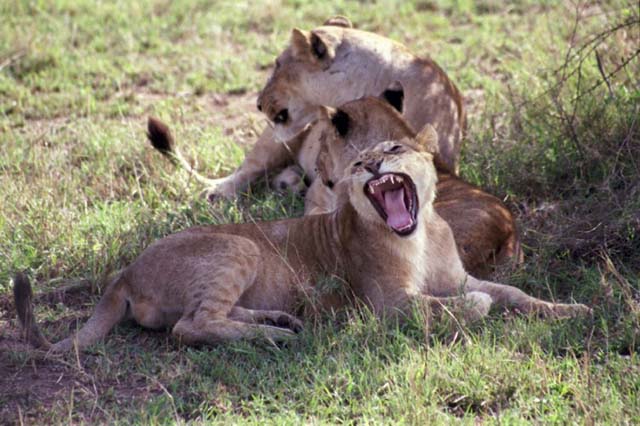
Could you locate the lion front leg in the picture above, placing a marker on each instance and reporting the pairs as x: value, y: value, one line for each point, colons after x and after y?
x: 266, y: 155
x: 505, y: 295
x: 473, y: 306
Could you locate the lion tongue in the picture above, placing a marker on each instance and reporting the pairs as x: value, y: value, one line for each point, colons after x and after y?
x: 398, y: 216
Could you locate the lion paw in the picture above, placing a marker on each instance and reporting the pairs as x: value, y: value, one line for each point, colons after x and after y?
x: 290, y: 180
x: 277, y: 334
x: 477, y: 305
x: 562, y: 310
x: 224, y: 188
x: 558, y: 310
x: 284, y: 320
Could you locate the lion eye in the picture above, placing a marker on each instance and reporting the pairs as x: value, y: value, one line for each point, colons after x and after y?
x: 281, y: 117
x: 358, y: 164
x: 396, y: 149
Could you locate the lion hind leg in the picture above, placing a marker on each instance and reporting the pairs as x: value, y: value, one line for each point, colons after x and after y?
x: 506, y: 295
x: 110, y: 310
x: 220, y: 330
x: 275, y: 318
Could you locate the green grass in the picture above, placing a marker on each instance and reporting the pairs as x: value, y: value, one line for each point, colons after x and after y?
x: 84, y: 194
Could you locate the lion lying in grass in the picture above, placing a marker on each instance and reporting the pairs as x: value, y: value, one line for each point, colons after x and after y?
x: 385, y: 241
x: 483, y: 227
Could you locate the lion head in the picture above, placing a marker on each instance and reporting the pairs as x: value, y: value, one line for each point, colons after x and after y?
x: 393, y: 184
x: 339, y: 134
x: 324, y: 66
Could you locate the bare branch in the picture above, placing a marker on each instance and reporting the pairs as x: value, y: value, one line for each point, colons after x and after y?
x: 604, y: 77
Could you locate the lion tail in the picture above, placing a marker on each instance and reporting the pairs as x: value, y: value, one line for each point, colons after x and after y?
x: 111, y: 309
x: 161, y: 139
x: 23, y: 298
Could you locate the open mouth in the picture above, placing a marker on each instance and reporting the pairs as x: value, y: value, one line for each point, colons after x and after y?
x: 394, y: 197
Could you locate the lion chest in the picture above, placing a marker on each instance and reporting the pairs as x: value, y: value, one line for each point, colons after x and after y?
x: 308, y: 152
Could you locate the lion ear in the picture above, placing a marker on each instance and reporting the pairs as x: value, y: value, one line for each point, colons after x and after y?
x: 341, y: 121
x: 321, y: 48
x: 394, y: 95
x: 427, y: 139
x: 339, y: 21
x: 300, y: 43
x: 306, y: 44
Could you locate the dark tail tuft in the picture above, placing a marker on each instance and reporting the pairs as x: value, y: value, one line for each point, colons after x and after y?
x: 23, y: 298
x: 160, y: 136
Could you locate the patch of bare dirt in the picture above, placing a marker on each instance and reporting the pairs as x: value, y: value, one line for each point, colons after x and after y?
x: 34, y: 387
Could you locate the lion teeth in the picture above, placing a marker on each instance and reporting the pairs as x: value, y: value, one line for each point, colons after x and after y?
x: 407, y: 226
x: 393, y: 179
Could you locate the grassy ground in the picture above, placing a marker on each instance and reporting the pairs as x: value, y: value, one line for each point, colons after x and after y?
x: 84, y: 194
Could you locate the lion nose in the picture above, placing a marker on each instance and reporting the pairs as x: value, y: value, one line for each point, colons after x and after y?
x: 373, y: 166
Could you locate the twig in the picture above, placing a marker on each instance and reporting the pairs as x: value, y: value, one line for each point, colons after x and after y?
x: 618, y: 68
x: 604, y: 77
x: 589, y: 46
x: 595, y: 40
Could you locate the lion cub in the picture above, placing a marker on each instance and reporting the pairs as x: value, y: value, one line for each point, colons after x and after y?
x: 218, y: 283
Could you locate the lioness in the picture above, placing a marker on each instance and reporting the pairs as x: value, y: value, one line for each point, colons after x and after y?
x: 334, y: 64
x: 220, y: 283
x: 483, y: 227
